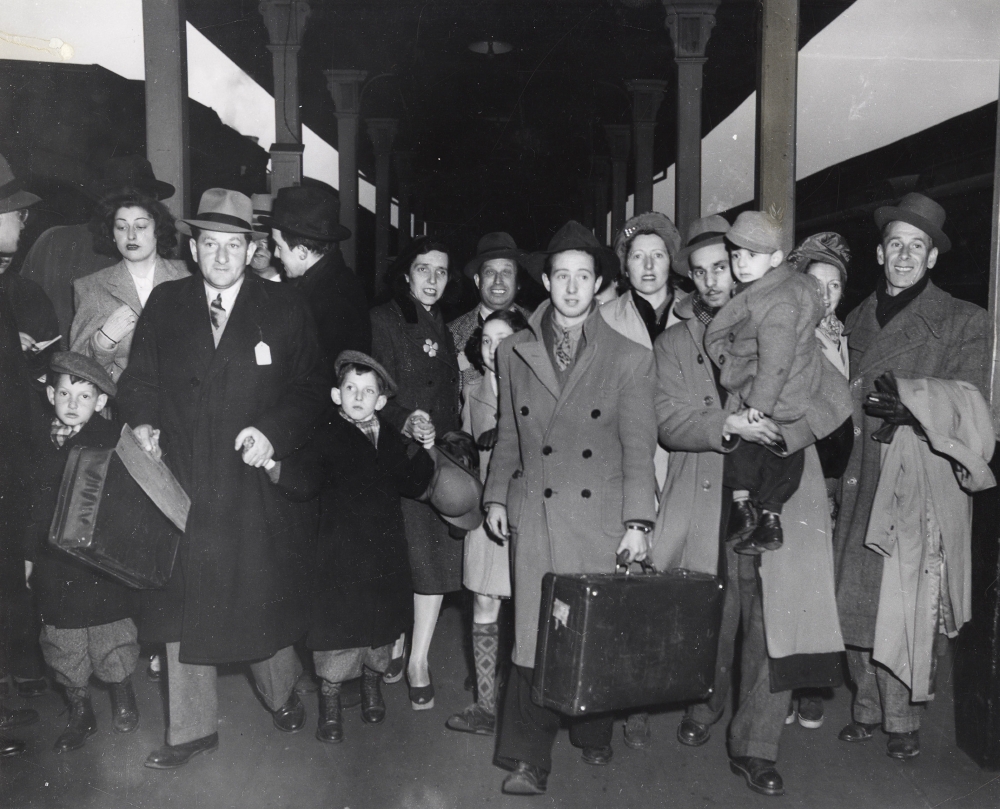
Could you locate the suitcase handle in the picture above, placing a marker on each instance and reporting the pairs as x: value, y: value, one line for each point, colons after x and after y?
x: 623, y: 560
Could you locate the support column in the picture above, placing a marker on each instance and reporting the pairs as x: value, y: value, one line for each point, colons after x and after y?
x: 619, y: 139
x: 404, y: 183
x: 286, y: 22
x: 345, y: 87
x: 776, y: 108
x: 646, y: 97
x: 600, y: 179
x: 690, y: 25
x: 382, y: 131
x: 165, y: 41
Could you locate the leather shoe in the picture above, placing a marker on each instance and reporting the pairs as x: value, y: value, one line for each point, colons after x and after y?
x: 903, y: 745
x: 124, y: 711
x: 172, y: 756
x: 742, y: 520
x: 637, y: 731
x: 17, y: 717
x: 154, y: 674
x: 527, y: 779
x: 372, y: 704
x: 759, y: 773
x: 82, y: 722
x: 331, y: 724
x: 767, y: 536
x: 474, y: 719
x: 31, y: 688
x: 598, y: 756
x: 858, y: 732
x: 350, y: 693
x: 692, y: 733
x: 291, y: 716
x: 11, y: 747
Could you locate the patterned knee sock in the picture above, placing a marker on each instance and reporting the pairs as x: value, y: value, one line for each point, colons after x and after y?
x: 484, y: 650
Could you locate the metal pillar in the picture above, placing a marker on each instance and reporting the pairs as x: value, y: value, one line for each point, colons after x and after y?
x: 646, y: 97
x: 690, y: 25
x: 345, y: 87
x: 404, y: 184
x: 165, y: 41
x: 285, y: 21
x: 600, y: 180
x: 619, y: 140
x: 776, y: 107
x: 382, y: 131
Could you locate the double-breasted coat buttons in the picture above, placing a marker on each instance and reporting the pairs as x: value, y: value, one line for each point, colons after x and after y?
x: 595, y: 414
x: 524, y: 410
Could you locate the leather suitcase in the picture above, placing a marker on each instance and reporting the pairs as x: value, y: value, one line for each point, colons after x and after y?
x: 104, y: 519
x: 611, y: 641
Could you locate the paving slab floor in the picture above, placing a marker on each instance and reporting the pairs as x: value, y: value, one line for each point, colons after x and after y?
x: 413, y: 761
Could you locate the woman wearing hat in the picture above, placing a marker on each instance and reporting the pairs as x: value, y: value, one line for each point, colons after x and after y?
x: 410, y: 338
x: 109, y: 301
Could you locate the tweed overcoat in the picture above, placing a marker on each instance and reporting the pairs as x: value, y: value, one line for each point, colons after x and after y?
x: 936, y: 336
x: 240, y: 586
x: 764, y: 344
x: 571, y: 463
x: 797, y: 582
x: 97, y: 295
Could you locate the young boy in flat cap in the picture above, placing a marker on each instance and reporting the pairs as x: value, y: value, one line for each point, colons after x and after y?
x: 363, y: 593
x: 764, y: 345
x: 87, y: 618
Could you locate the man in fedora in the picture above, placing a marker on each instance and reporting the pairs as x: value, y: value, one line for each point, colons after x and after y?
x: 913, y: 330
x: 262, y: 263
x: 66, y: 252
x: 571, y: 480
x: 494, y: 272
x: 225, y: 375
x: 305, y: 230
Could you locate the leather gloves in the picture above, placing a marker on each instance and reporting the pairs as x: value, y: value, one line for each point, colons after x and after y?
x: 884, y: 403
x: 487, y: 439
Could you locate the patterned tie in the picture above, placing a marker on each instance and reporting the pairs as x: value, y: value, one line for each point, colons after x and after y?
x: 217, y: 312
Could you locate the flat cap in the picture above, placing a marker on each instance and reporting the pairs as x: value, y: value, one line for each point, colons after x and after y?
x: 350, y: 356
x: 69, y: 362
x: 757, y: 231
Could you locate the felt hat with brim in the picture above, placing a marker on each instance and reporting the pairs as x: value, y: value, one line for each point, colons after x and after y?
x: 222, y: 211
x: 491, y: 246
x: 454, y: 491
x: 701, y: 233
x: 574, y: 236
x: 309, y: 212
x: 349, y: 356
x: 129, y: 172
x: 261, y: 204
x: 82, y: 367
x: 756, y: 231
x: 921, y: 212
x: 13, y: 197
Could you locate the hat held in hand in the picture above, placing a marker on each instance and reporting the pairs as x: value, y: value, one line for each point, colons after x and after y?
x: 455, y: 491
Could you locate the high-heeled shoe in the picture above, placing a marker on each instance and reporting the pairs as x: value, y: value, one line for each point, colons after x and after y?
x: 397, y: 665
x: 421, y: 696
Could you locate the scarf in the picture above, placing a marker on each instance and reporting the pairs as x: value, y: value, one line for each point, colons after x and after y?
x: 702, y: 310
x: 59, y: 432
x: 370, y: 427
x: 655, y: 322
x: 831, y: 328
x: 888, y: 306
x: 565, y: 344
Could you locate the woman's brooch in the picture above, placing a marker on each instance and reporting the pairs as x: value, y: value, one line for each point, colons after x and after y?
x: 430, y: 347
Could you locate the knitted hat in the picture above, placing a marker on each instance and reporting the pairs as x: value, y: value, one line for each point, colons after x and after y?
x: 654, y: 222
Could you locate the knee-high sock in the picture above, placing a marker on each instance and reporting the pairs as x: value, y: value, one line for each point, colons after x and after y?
x: 484, y: 650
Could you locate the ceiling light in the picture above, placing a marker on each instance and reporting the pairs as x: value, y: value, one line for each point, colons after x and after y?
x: 491, y: 47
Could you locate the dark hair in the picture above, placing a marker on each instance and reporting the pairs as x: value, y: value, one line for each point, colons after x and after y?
x: 359, y: 368
x: 317, y: 246
x: 52, y: 379
x: 473, y: 353
x: 103, y: 223
x: 622, y: 284
x: 401, y: 267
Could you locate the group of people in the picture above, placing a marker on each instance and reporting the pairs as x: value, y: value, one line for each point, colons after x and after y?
x: 821, y: 468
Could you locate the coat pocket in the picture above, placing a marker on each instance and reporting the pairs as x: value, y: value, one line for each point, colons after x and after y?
x: 515, y: 499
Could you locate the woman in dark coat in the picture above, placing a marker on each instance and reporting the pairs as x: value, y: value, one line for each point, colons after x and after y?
x: 410, y: 339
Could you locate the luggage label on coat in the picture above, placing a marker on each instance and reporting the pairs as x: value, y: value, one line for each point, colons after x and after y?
x: 263, y: 353
x: 560, y: 612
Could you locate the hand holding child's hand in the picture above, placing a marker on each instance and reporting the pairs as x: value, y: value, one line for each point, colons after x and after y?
x: 754, y: 415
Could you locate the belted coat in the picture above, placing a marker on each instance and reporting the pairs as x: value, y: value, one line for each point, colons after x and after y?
x: 936, y: 336
x: 572, y: 462
x: 239, y: 590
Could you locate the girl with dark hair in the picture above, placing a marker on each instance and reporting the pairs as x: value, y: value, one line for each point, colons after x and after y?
x: 108, y: 302
x: 410, y: 338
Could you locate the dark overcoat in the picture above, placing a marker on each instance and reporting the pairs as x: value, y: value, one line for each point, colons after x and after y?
x: 339, y: 306
x: 572, y: 462
x: 937, y: 336
x: 70, y: 594
x: 362, y: 593
x: 240, y: 586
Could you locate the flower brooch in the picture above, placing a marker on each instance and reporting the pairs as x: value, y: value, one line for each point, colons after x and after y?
x: 430, y: 347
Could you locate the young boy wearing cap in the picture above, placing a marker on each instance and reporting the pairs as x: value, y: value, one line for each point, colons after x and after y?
x: 764, y: 345
x: 87, y: 618
x: 363, y: 596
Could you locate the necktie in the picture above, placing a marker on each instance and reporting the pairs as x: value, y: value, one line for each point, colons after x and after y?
x: 217, y: 312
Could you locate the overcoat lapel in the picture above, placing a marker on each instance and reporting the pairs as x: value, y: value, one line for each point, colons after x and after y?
x: 242, y: 329
x: 121, y: 286
x: 200, y: 347
x: 537, y: 359
x: 592, y: 330
x: 906, y: 333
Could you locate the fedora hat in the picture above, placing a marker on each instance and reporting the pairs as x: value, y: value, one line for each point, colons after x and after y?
x: 574, y: 236
x: 13, y: 197
x: 222, y: 211
x: 494, y: 245
x: 921, y: 212
x: 701, y: 233
x: 359, y: 358
x: 129, y: 171
x: 309, y: 212
x: 454, y: 491
x: 261, y: 204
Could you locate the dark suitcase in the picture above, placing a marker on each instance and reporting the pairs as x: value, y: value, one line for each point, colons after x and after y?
x: 610, y: 641
x: 104, y: 519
